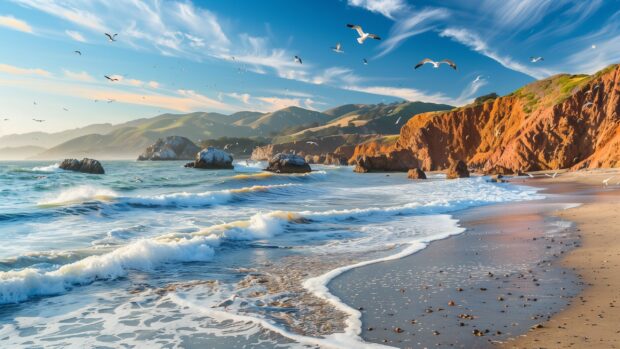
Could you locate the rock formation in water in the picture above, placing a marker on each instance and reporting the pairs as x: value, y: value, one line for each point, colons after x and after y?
x: 212, y: 159
x: 288, y: 163
x: 565, y: 121
x: 170, y: 148
x: 458, y: 169
x: 416, y: 173
x: 85, y: 165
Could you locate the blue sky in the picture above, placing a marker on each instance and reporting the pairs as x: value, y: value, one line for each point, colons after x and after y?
x: 177, y: 56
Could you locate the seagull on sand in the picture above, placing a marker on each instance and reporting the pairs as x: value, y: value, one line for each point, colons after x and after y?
x: 77, y: 52
x: 313, y: 143
x: 588, y: 104
x: 606, y: 181
x: 110, y: 78
x: 363, y: 36
x: 536, y: 59
x: 338, y: 48
x: 110, y: 36
x: 436, y: 64
x: 397, y: 121
x: 226, y: 303
x: 298, y: 60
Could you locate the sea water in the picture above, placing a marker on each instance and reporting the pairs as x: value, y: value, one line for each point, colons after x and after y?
x: 152, y: 254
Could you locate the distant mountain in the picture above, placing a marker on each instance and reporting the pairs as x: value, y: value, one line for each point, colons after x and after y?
x: 19, y: 153
x: 129, y: 139
x: 48, y: 140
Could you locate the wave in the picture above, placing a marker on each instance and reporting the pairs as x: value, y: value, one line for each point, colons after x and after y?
x: 78, y: 195
x: 48, y: 168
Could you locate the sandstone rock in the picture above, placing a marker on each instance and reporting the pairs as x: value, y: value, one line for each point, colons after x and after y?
x: 212, y: 159
x: 458, y: 169
x: 85, y: 165
x: 288, y: 163
x: 170, y: 148
x: 416, y: 173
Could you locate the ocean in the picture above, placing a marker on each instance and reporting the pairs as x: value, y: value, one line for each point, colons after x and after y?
x: 152, y: 254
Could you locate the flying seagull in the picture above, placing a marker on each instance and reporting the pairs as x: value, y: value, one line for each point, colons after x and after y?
x: 298, y: 60
x: 552, y: 176
x: 65, y: 109
x: 435, y: 64
x: 363, y: 36
x: 588, y: 104
x: 531, y: 175
x: 338, y: 48
x: 110, y: 100
x: 111, y: 37
x: 110, y: 78
x: 397, y: 121
x: 606, y: 181
x: 365, y: 61
x: 536, y: 59
x: 78, y: 52
x: 313, y: 143
x: 38, y: 120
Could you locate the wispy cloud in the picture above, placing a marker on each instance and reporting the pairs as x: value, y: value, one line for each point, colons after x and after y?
x: 471, y: 90
x: 409, y: 94
x: 388, y: 8
x: 75, y: 35
x: 11, y: 69
x: 15, y: 24
x: 78, y: 76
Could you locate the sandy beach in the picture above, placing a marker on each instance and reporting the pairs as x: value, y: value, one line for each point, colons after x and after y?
x: 591, y: 320
x: 523, y: 275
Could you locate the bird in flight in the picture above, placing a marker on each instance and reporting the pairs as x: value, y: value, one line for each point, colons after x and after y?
x: 552, y: 176
x: 110, y: 100
x: 298, y: 60
x: 38, y: 120
x: 34, y: 103
x: 365, y: 61
x: 363, y: 36
x: 111, y: 36
x: 313, y: 143
x: 606, y: 181
x: 536, y: 59
x: 110, y: 78
x: 398, y: 120
x: 78, y: 52
x: 436, y: 64
x: 338, y: 48
x: 65, y: 109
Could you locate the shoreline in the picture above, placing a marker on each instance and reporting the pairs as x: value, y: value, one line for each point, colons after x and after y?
x: 523, y: 226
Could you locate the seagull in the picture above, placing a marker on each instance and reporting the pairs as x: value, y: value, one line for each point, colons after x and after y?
x: 435, y: 64
x: 606, y: 181
x: 38, y: 120
x: 6, y: 119
x: 365, y: 61
x: 338, y: 48
x: 111, y: 37
x: 531, y: 175
x: 110, y: 78
x: 397, y: 121
x: 78, y: 52
x: 298, y: 60
x: 34, y: 103
x: 552, y: 176
x: 536, y: 59
x: 110, y: 100
x: 363, y: 36
x: 588, y: 104
x: 313, y: 143
x: 65, y: 109
x: 226, y: 303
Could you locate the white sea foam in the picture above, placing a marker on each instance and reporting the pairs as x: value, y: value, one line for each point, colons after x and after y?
x: 48, y: 168
x: 80, y: 194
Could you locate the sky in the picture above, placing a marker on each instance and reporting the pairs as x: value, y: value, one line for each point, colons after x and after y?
x: 179, y: 56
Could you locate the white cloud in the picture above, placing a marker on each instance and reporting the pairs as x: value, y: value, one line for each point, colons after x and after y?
x: 68, y: 10
x: 11, y: 69
x: 388, y: 8
x: 242, y: 97
x: 78, y: 76
x: 75, y: 35
x: 15, y: 24
x: 274, y: 103
x: 470, y: 91
x: 154, y: 84
x: 409, y: 94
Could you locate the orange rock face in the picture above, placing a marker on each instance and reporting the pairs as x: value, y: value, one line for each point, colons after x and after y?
x: 566, y: 121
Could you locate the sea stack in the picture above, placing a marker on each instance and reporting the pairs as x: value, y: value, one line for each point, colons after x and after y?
x: 458, y: 169
x: 170, y: 148
x: 85, y: 165
x: 416, y: 173
x: 288, y: 163
x: 212, y: 159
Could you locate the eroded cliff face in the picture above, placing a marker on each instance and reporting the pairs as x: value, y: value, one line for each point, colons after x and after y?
x: 566, y: 121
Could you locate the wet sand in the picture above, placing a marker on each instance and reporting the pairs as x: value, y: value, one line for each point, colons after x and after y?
x: 503, y: 276
x: 591, y: 320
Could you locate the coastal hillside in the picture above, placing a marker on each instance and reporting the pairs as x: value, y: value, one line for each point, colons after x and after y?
x: 48, y: 140
x: 19, y: 153
x: 565, y: 121
x: 127, y: 140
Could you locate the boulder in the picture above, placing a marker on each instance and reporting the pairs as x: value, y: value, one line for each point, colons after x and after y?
x: 288, y: 163
x: 170, y: 148
x: 458, y: 169
x: 85, y: 165
x: 212, y: 159
x: 416, y: 173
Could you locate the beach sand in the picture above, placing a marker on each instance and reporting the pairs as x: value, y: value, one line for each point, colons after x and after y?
x: 506, y: 274
x: 592, y: 319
